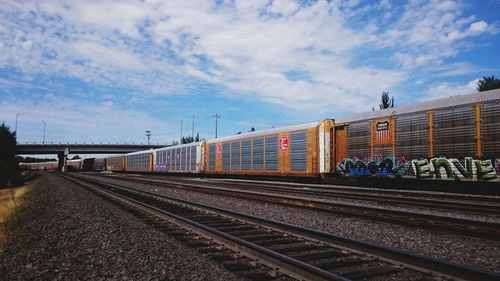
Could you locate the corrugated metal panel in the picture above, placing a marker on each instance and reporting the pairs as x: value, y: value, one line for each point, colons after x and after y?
x: 272, y: 153
x: 138, y: 161
x: 173, y: 159
x: 157, y: 159
x: 246, y: 155
x: 384, y: 150
x: 412, y: 136
x: 258, y: 154
x: 192, y: 165
x: 211, y: 157
x: 177, y: 158
x: 454, y: 132
x: 358, y: 140
x: 481, y: 97
x: 490, y: 129
x: 99, y: 163
x: 169, y: 159
x: 184, y: 156
x: 298, y: 151
x: 115, y: 162
x: 235, y: 156
x: 226, y: 156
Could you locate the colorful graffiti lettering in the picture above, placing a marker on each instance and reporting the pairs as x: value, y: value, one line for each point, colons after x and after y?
x: 434, y: 169
x: 161, y: 168
x: 452, y: 169
x: 379, y: 166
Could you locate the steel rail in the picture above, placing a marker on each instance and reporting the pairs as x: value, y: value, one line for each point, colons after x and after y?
x: 486, y: 230
x: 395, y: 256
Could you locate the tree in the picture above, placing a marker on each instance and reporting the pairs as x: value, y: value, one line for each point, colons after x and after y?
x: 34, y: 160
x: 197, y: 139
x: 252, y: 130
x: 9, y: 166
x: 386, y: 102
x: 76, y: 157
x: 488, y: 83
x: 187, y: 140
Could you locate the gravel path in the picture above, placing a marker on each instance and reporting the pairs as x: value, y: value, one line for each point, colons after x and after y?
x: 473, y: 251
x: 71, y: 234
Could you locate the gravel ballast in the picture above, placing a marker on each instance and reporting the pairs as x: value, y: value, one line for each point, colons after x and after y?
x: 476, y: 252
x: 72, y: 234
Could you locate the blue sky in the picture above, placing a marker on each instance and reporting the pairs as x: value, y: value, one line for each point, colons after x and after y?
x: 106, y: 71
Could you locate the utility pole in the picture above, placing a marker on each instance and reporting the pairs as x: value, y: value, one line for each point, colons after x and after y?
x: 216, y: 116
x: 43, y: 142
x: 17, y: 115
x: 192, y: 129
x: 148, y: 134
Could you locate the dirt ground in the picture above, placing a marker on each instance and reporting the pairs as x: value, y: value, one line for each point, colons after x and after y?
x: 11, y: 200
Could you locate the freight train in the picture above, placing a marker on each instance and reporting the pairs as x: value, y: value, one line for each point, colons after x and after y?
x: 456, y: 138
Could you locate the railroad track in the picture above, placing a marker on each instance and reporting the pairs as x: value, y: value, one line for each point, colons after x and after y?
x: 270, y: 249
x: 445, y: 224
x: 479, y: 205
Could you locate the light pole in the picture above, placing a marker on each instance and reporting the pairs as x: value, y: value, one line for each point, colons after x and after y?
x: 216, y: 116
x: 44, y: 124
x: 192, y: 129
x: 17, y: 115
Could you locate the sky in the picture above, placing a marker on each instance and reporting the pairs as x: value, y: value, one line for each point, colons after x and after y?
x: 107, y: 71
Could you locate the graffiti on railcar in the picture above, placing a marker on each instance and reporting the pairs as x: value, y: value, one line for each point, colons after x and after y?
x: 161, y: 168
x: 440, y: 168
x: 379, y: 166
x: 452, y: 169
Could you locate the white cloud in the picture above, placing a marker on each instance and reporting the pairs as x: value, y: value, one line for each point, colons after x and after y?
x: 444, y: 90
x: 428, y: 32
x: 99, y: 54
x: 72, y: 121
x: 478, y: 27
x: 169, y: 47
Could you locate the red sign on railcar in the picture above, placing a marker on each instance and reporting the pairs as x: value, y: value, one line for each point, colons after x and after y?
x: 219, y: 149
x: 284, y: 143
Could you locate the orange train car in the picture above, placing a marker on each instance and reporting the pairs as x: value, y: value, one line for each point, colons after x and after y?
x: 141, y: 161
x: 301, y: 150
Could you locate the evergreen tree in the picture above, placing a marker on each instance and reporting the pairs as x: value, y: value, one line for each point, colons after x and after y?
x: 488, y: 83
x: 386, y: 102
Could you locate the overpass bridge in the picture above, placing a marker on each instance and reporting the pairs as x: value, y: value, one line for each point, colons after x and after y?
x: 62, y: 149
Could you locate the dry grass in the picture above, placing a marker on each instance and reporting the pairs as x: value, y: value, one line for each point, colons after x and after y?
x: 11, y: 203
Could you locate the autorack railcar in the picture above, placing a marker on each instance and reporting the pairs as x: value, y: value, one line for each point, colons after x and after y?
x: 141, y: 161
x: 300, y: 150
x: 456, y: 138
x: 115, y: 163
x: 184, y: 158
